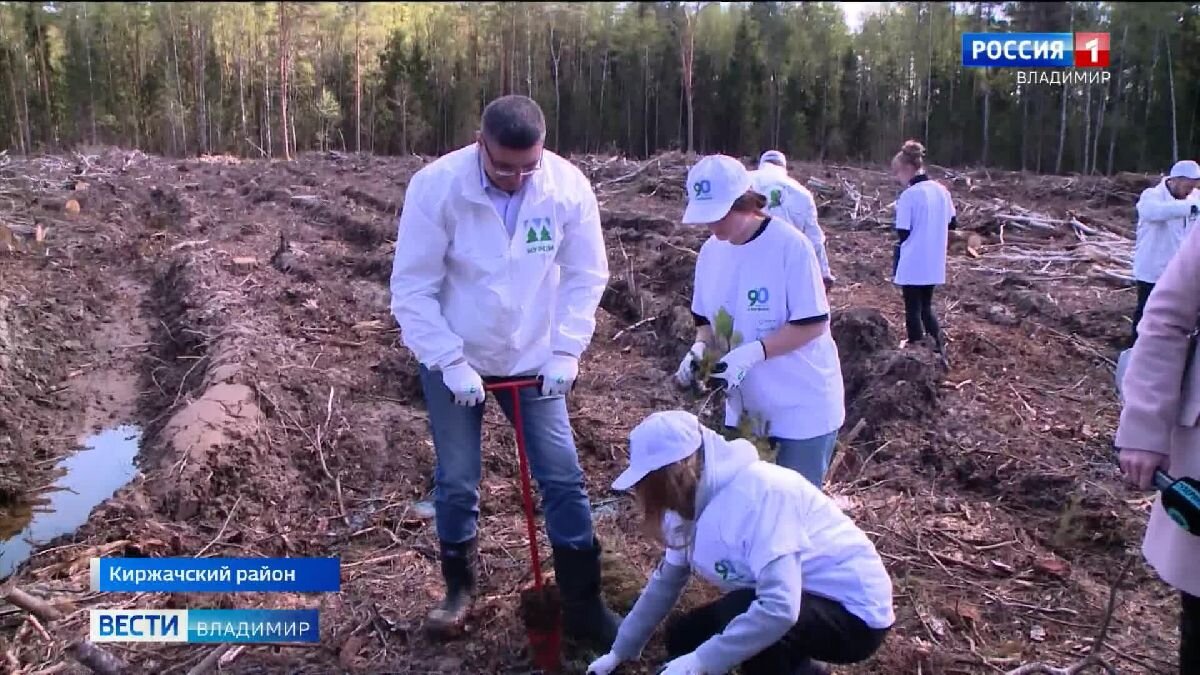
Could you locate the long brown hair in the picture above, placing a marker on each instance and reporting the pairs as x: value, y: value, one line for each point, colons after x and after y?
x: 670, y: 488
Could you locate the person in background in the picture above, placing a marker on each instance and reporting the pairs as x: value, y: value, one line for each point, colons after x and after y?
x: 500, y: 264
x: 1160, y: 428
x: 762, y: 272
x: 789, y: 200
x: 1165, y: 213
x: 924, y: 215
x: 803, y: 584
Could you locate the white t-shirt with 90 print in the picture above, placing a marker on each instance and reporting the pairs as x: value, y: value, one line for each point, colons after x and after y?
x: 763, y: 284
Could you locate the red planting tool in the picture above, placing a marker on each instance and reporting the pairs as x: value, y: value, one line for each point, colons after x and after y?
x: 542, y: 613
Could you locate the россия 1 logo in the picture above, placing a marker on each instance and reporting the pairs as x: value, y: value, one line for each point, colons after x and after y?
x: 1035, y: 50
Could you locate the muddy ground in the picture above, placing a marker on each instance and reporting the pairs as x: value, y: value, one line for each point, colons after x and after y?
x: 238, y: 311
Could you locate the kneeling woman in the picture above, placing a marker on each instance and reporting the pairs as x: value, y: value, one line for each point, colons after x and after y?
x: 802, y: 582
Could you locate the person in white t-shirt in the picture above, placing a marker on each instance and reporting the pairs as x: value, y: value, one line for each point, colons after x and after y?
x: 791, y: 201
x: 803, y: 584
x: 763, y: 272
x: 924, y: 215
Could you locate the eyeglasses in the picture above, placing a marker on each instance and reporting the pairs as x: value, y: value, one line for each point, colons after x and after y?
x: 508, y: 172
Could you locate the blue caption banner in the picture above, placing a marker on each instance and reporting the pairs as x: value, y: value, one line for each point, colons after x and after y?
x: 216, y: 575
x: 205, y: 625
x: 1018, y: 50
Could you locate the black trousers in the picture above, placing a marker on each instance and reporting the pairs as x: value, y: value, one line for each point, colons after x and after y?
x: 918, y: 314
x: 1144, y: 288
x: 1189, y: 636
x: 825, y: 631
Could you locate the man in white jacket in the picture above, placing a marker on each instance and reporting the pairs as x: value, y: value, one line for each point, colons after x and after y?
x: 790, y: 201
x: 500, y: 264
x: 1165, y: 213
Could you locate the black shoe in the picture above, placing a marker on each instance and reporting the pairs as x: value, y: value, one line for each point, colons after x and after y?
x: 458, y: 571
x: 586, y: 619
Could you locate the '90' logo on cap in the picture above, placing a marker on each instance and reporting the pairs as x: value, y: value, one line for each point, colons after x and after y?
x: 703, y: 189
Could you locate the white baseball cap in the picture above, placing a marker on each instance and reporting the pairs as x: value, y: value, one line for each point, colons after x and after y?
x: 774, y: 156
x: 713, y: 185
x: 661, y: 439
x: 1185, y: 169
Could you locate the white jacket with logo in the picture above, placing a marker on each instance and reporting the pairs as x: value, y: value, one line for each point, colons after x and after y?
x: 461, y: 288
x: 789, y: 200
x: 1163, y: 221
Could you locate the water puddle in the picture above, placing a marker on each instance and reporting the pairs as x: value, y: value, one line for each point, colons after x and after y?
x: 88, y: 477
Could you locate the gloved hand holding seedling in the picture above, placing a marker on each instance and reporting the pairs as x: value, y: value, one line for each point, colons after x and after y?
x: 697, y: 372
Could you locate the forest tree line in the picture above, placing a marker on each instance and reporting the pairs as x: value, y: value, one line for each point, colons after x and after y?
x: 275, y: 78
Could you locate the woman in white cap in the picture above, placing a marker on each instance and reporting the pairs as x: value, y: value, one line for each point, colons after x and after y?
x: 764, y: 273
x: 924, y: 215
x: 803, y: 584
x: 791, y: 201
x: 1165, y: 212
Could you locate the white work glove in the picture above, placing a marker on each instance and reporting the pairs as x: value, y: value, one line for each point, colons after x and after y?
x: 604, y: 665
x: 466, y: 385
x: 686, y: 374
x: 558, y: 375
x: 688, y: 664
x: 737, y: 364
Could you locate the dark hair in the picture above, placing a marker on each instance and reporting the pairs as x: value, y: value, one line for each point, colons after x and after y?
x: 912, y: 153
x: 514, y: 122
x: 751, y: 202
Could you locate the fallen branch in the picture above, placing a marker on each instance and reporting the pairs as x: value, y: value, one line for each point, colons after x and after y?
x: 634, y: 326
x: 35, y: 606
x: 209, y: 661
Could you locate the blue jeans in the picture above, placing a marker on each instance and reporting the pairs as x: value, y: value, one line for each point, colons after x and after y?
x: 809, y: 457
x: 553, y: 462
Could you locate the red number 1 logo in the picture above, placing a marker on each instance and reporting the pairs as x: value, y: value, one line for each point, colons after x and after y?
x: 1091, y: 50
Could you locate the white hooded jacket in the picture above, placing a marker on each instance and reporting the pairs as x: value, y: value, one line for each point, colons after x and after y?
x: 1163, y: 221
x: 462, y: 288
x: 789, y: 200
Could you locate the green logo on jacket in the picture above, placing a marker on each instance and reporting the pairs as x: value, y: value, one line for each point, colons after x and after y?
x: 538, y: 236
x: 776, y: 198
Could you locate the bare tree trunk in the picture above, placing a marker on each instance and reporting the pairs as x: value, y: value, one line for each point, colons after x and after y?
x: 357, y: 77
x: 1087, y: 127
x: 12, y: 87
x: 555, y: 56
x: 987, y: 117
x: 283, y: 78
x: 178, y: 81
x: 1149, y: 103
x: 1062, y: 125
x: 87, y: 47
x: 1098, y: 130
x: 929, y: 73
x: 1117, y: 118
x: 1024, y: 125
x: 687, y: 58
x: 1171, y: 87
x: 242, y: 101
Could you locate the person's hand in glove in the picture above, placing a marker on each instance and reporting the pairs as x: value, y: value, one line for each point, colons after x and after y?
x: 558, y: 375
x: 688, y: 664
x: 464, y: 383
x: 734, y: 367
x: 686, y: 374
x: 604, y: 665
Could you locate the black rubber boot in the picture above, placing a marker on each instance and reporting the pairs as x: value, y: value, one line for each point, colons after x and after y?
x: 586, y: 619
x: 458, y: 571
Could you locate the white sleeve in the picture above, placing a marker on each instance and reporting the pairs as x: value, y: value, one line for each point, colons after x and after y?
x: 805, y: 208
x: 904, y: 210
x: 583, y: 265
x: 1152, y: 209
x: 418, y: 269
x: 805, y: 288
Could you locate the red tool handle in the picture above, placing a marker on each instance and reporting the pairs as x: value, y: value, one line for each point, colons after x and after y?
x: 514, y: 387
